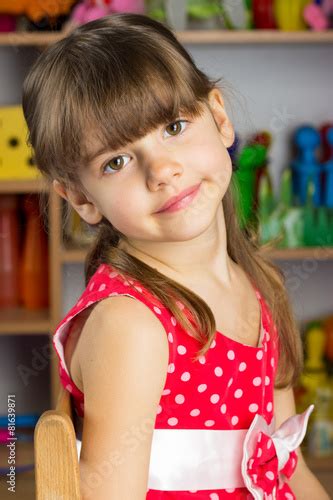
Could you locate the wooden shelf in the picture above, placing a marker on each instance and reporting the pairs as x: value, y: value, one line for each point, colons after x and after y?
x: 23, y: 186
x: 72, y: 255
x: 309, y: 253
x: 21, y: 321
x: 192, y: 36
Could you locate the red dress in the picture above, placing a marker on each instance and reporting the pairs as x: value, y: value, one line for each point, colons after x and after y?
x: 203, y: 404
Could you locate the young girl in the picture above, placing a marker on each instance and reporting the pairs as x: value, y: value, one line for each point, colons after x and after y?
x: 181, y: 353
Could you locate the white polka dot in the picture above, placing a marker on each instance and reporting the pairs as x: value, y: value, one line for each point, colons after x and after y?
x: 195, y: 412
x: 234, y: 420
x: 170, y: 337
x: 269, y: 406
x: 267, y: 380
x: 230, y: 382
x: 91, y: 287
x: 267, y: 336
x: 113, y: 274
x: 185, y: 376
x: 181, y: 349
x: 242, y: 366
x: 69, y: 388
x: 157, y: 310
x: 223, y: 408
x: 202, y: 360
x: 173, y: 421
x: 166, y: 392
x: 173, y: 321
x: 259, y: 452
x: 180, y: 304
x: 272, y: 362
x: 214, y: 496
x: 179, y: 399
x: 218, y: 371
x: 231, y: 354
x: 159, y: 409
x: 270, y: 475
x: 213, y: 344
x: 202, y: 387
x: 253, y: 407
x: 138, y: 288
x: 238, y: 393
x: 209, y: 423
x: 230, y: 490
x: 257, y: 381
x: 214, y: 398
x: 288, y: 496
x: 102, y: 287
x: 171, y: 368
x: 259, y: 355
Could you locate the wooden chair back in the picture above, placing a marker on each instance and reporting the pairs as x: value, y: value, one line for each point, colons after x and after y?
x: 56, y: 460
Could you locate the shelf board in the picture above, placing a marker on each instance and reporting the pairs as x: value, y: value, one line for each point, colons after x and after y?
x: 319, y: 463
x: 309, y: 253
x: 191, y: 36
x: 72, y: 255
x: 23, y: 186
x: 22, y: 321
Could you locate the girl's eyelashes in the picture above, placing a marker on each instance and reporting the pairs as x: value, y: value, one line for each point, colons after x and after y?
x: 119, y: 165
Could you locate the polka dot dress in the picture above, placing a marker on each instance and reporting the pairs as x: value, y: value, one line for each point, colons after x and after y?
x: 223, y: 390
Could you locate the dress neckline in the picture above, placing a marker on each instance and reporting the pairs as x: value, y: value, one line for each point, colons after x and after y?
x: 261, y: 337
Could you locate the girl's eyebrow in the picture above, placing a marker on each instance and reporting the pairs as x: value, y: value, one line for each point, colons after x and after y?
x: 95, y: 154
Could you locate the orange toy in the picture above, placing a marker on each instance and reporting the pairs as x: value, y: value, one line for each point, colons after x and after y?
x: 35, y: 10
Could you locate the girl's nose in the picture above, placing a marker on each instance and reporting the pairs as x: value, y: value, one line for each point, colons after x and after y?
x: 163, y: 171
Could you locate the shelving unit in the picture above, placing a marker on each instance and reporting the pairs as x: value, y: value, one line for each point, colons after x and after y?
x: 18, y: 321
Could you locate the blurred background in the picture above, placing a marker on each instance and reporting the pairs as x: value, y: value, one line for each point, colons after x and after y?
x: 275, y: 61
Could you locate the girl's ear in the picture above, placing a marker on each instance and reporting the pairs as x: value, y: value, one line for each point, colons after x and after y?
x: 86, y: 209
x: 224, y: 125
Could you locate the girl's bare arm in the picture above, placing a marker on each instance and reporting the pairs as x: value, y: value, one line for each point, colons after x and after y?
x: 123, y: 353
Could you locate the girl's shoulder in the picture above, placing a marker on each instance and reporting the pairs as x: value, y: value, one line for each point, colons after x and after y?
x: 106, y: 283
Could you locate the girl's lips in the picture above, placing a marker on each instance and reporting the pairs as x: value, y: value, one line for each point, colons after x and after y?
x: 182, y: 203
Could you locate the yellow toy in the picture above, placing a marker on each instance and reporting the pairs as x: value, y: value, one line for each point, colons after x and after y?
x: 15, y: 155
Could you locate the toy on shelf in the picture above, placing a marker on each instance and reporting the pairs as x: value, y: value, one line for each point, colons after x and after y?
x: 278, y: 221
x: 318, y: 14
x: 251, y: 163
x: 328, y: 169
x: 316, y: 386
x: 9, y: 251
x: 16, y: 161
x: 34, y: 289
x: 263, y: 14
x: 306, y: 166
x: 289, y: 14
x: 36, y: 11
x: 89, y: 10
x: 7, y: 23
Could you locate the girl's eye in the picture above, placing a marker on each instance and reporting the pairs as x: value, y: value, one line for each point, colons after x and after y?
x: 175, y: 127
x: 116, y: 163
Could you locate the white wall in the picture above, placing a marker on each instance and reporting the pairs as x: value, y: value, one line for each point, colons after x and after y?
x: 268, y: 87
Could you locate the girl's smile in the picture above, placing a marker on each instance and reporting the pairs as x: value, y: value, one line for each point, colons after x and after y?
x: 181, y: 201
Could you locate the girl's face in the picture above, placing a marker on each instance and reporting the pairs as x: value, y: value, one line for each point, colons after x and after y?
x: 130, y: 185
